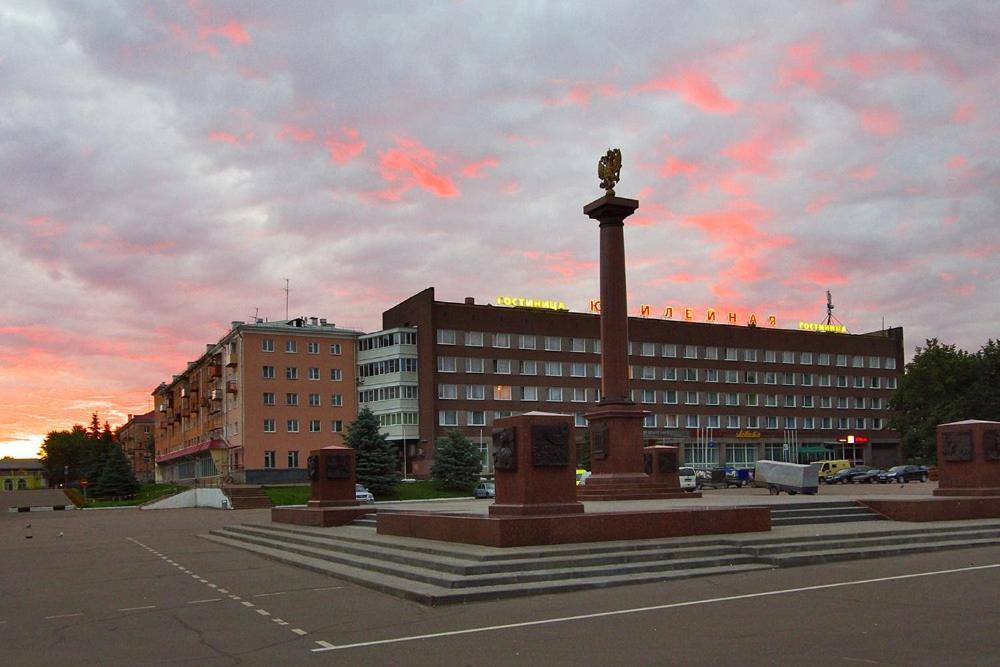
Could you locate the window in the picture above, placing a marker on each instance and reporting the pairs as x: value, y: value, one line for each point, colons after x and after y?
x: 336, y: 425
x: 314, y: 426
x: 691, y: 421
x: 827, y: 423
x: 859, y: 381
x: 788, y: 378
x: 670, y: 397
x: 335, y: 348
x: 579, y: 395
x: 293, y: 459
x: 890, y: 383
x: 788, y: 357
x: 475, y: 392
x: 501, y: 392
x: 336, y: 400
x: 336, y: 374
x: 647, y: 372
x: 842, y: 360
x: 713, y: 398
x: 770, y: 400
x: 691, y: 398
x: 843, y: 423
x: 671, y: 421
x: 529, y: 368
x: 732, y: 354
x: 529, y: 393
x: 578, y: 370
x: 790, y: 422
x: 712, y: 353
x: 690, y: 351
x: 753, y: 421
x: 858, y: 361
x: 553, y: 368
x: 268, y: 372
x: 825, y: 402
x: 807, y: 379
x: 473, y: 365
x: 732, y: 398
x: 291, y: 373
x: 732, y: 377
x: 292, y: 425
x: 711, y: 375
x: 690, y: 374
x: 474, y: 338
x: 649, y: 421
x: 527, y: 342
x: 268, y: 398
x: 553, y: 343
x: 269, y: 426
x: 501, y: 340
x: 877, y: 423
x: 749, y: 355
x: 874, y: 362
x: 753, y: 400
x: 269, y: 459
x: 789, y: 400
x: 825, y: 379
x: 501, y: 366
x: 578, y: 344
x: 291, y: 399
x: 313, y: 348
x: 555, y: 394
x: 876, y: 382
x: 670, y: 350
x: 733, y: 421
x: 446, y: 337
x: 808, y: 423
x: 806, y: 358
x: 314, y: 400
x: 770, y: 356
x: 446, y: 364
x: 808, y: 401
x: 772, y: 422
x: 313, y: 373
x: 267, y: 345
x: 770, y: 378
x: 876, y: 403
x: 649, y: 396
x: 841, y: 380
x: 476, y: 418
x: 291, y: 345
x: 890, y: 363
x: 448, y: 418
x: 750, y: 377
x: 713, y: 421
x: 669, y: 373
x: 859, y: 402
x: 579, y: 419
x: 597, y: 370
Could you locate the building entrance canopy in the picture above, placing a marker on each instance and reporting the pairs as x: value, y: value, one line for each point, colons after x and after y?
x: 192, y: 450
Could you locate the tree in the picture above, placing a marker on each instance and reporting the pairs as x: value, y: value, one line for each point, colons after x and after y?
x: 94, y: 430
x: 944, y: 384
x: 377, y: 466
x: 63, y: 451
x: 457, y: 462
x: 115, y: 478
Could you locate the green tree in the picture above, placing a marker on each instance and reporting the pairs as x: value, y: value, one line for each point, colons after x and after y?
x: 937, y: 387
x: 457, y: 462
x: 62, y: 451
x: 94, y: 430
x: 377, y: 465
x: 115, y: 479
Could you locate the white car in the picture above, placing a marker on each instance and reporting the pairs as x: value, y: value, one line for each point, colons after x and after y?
x: 362, y: 494
x: 688, y: 478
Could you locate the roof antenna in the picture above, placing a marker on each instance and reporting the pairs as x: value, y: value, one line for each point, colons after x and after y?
x: 287, y: 290
x: 829, y: 307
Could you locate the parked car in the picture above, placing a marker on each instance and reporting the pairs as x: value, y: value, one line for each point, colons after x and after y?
x: 581, y: 476
x: 903, y: 474
x: 827, y: 469
x: 485, y: 490
x: 869, y: 477
x: 847, y: 475
x: 688, y: 479
x: 362, y: 494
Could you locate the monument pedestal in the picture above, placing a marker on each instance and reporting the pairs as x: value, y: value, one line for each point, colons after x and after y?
x: 332, y: 501
x: 968, y: 454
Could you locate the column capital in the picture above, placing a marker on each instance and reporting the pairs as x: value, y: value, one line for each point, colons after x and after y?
x: 610, y: 208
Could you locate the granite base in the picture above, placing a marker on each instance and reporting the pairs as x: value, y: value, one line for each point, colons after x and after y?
x: 319, y: 516
x: 937, y: 509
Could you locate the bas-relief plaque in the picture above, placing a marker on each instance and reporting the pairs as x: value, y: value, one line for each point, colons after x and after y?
x: 312, y: 467
x: 667, y: 461
x: 957, y: 446
x: 991, y: 445
x: 505, y: 449
x: 338, y: 466
x: 599, y: 442
x: 550, y: 445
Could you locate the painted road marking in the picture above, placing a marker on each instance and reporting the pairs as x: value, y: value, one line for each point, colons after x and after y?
x: 245, y: 603
x: 299, y: 632
x: 148, y: 606
x: 79, y: 613
x: 263, y: 613
x: 213, y: 586
x: 328, y: 588
x: 639, y: 610
x: 204, y: 601
x: 223, y: 590
x: 264, y: 595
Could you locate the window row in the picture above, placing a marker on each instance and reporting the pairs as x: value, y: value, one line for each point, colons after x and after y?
x: 386, y: 366
x: 388, y: 393
x: 525, y: 367
x: 387, y: 340
x: 760, y: 377
x: 524, y: 341
x: 292, y: 373
x: 292, y: 399
x: 292, y: 345
x: 292, y: 426
x: 767, y: 356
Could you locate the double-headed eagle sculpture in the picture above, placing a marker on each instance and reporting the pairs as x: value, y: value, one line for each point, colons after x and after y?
x: 609, y: 170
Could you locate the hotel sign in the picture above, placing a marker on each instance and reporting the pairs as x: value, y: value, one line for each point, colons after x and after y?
x: 748, y: 435
x: 689, y: 315
x: 824, y: 328
x: 521, y: 302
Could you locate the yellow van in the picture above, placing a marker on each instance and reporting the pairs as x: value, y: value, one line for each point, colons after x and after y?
x: 827, y: 469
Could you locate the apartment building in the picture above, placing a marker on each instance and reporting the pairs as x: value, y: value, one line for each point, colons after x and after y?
x: 135, y: 437
x: 725, y: 393
x: 254, y: 404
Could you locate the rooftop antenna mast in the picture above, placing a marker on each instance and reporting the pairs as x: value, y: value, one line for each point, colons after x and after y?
x: 829, y: 307
x: 287, y: 290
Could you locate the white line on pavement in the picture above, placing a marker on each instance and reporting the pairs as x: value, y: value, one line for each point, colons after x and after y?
x: 637, y: 610
x: 263, y: 613
x: 327, y: 646
x: 204, y: 601
x: 264, y: 595
x: 328, y: 588
x: 79, y: 613
x: 248, y: 604
x: 299, y: 632
x: 148, y: 606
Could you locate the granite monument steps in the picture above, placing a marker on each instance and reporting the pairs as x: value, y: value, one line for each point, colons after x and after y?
x: 823, y: 512
x: 247, y: 497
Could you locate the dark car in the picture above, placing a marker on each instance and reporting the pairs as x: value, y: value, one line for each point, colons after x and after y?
x: 903, y: 474
x: 846, y: 475
x: 869, y: 477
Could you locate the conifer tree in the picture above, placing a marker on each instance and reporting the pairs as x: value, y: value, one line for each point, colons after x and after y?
x: 115, y: 478
x: 377, y: 466
x: 457, y: 463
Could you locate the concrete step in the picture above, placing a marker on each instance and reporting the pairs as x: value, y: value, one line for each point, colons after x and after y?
x: 823, y: 512
x: 873, y: 541
x: 833, y: 555
x: 808, y: 519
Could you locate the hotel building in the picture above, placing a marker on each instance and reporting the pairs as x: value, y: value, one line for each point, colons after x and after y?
x: 256, y: 402
x: 726, y: 393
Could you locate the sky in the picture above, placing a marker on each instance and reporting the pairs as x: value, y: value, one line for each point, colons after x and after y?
x: 166, y: 165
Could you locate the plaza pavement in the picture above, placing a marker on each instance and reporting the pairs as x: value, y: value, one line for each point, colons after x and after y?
x: 131, y: 587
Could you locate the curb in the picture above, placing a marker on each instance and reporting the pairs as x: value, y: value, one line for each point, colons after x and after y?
x: 42, y: 508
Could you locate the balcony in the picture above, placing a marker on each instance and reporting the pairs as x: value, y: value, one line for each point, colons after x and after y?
x: 232, y: 359
x: 216, y: 394
x: 231, y: 387
x: 214, y: 371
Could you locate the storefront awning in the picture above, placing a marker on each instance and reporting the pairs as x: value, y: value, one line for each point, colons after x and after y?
x: 192, y: 450
x: 815, y: 449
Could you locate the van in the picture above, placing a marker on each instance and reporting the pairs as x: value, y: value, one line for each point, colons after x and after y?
x: 827, y: 469
x: 581, y: 476
x: 687, y: 478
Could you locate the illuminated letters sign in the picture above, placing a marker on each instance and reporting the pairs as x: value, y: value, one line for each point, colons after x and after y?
x: 520, y: 302
x: 825, y: 328
x: 688, y: 314
x: 748, y: 435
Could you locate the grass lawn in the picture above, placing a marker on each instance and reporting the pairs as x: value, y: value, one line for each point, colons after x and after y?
x: 146, y: 493
x: 420, y: 490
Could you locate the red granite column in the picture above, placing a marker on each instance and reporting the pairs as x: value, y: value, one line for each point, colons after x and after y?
x: 616, y: 425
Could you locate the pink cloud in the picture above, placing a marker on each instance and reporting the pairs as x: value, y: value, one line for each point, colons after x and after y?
x: 963, y: 113
x: 675, y: 165
x: 580, y: 92
x: 801, y: 66
x: 757, y: 153
x: 818, y: 203
x: 412, y: 164
x: 957, y: 162
x: 222, y: 137
x: 884, y: 122
x: 863, y: 173
x: 345, y: 145
x: 473, y: 169
x: 510, y: 188
x: 298, y: 135
x: 232, y: 31
x: 870, y: 65
x: 694, y: 87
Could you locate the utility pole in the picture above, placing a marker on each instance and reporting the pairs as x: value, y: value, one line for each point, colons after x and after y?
x: 287, y: 290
